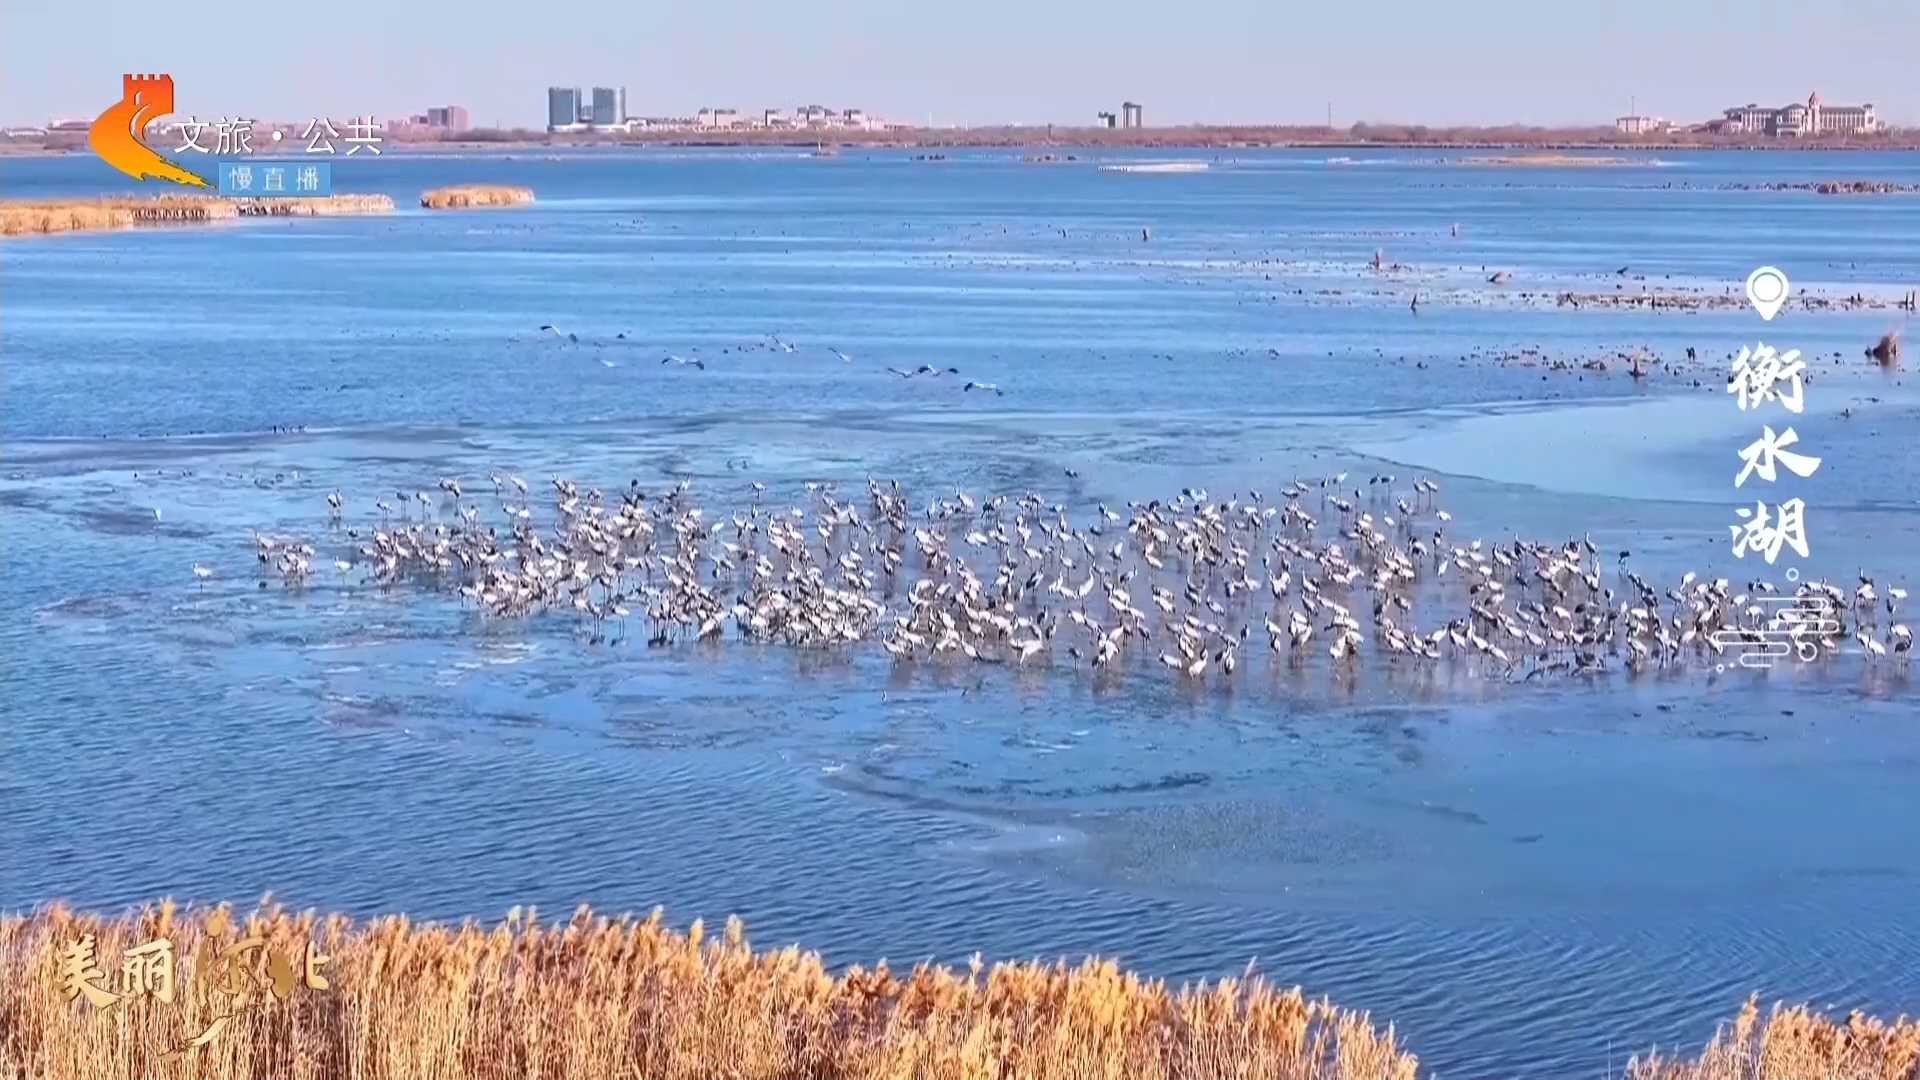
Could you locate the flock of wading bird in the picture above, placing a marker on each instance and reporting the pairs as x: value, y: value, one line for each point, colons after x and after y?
x: 1328, y: 568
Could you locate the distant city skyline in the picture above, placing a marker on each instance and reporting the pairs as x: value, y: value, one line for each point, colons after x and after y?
x: 1229, y: 62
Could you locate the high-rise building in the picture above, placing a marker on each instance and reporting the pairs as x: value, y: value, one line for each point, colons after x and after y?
x: 563, y: 107
x: 606, y: 106
x: 450, y: 117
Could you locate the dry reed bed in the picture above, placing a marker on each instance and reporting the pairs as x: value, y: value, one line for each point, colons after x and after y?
x: 18, y: 218
x: 631, y: 998
x: 315, y: 206
x: 467, y: 196
x: 23, y: 218
x: 1796, y: 1044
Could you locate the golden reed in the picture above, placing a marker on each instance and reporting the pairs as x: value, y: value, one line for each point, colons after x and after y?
x: 1796, y: 1044
x: 37, y: 216
x: 470, y: 196
x: 630, y: 998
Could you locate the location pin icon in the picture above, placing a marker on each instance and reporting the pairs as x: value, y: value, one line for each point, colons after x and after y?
x: 1767, y: 291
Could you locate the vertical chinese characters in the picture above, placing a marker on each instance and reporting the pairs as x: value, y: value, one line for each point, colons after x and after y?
x: 1760, y: 376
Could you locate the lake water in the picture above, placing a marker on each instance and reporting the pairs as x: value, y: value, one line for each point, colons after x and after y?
x: 1535, y: 877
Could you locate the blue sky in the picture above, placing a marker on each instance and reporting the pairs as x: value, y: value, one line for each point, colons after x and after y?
x: 985, y: 61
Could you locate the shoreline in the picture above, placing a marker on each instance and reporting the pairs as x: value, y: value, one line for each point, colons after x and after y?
x: 1038, y: 138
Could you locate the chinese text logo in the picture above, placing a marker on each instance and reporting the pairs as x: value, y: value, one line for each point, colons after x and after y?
x: 117, y: 136
x: 237, y: 977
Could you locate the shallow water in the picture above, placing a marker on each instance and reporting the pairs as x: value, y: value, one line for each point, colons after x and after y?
x: 1534, y: 878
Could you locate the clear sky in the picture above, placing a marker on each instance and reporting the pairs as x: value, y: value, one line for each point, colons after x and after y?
x: 979, y: 61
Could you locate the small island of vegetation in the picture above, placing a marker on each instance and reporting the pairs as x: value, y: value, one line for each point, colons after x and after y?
x: 470, y: 196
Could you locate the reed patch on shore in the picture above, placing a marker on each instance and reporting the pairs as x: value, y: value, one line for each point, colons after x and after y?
x: 29, y: 217
x: 469, y: 196
x: 22, y: 219
x: 1796, y: 1043
x: 629, y: 997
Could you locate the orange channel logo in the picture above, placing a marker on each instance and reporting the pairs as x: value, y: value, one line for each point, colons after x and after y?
x: 118, y: 134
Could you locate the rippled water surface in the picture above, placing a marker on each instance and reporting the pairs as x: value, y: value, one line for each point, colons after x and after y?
x: 1533, y: 877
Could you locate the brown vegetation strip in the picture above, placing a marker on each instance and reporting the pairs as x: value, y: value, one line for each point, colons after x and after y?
x: 1828, y: 187
x: 465, y: 196
x: 26, y: 217
x: 630, y: 998
x: 1796, y: 1044
x: 1553, y: 160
